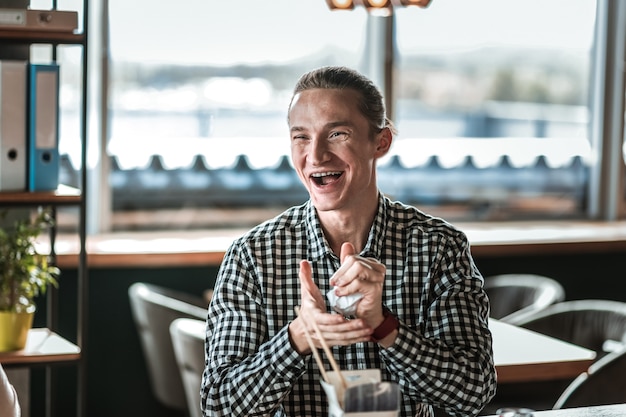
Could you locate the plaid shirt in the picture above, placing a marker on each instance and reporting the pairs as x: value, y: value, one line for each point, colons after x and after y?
x: 442, y: 355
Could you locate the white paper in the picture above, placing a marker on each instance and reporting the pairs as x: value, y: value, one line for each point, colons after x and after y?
x: 344, y: 305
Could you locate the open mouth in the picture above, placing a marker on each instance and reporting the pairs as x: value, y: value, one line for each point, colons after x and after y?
x: 325, y: 178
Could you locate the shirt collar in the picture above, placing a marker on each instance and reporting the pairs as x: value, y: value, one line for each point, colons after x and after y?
x: 375, y: 240
x: 318, y: 245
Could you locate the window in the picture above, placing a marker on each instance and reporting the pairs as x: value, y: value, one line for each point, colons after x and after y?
x: 491, y: 100
x: 214, y: 86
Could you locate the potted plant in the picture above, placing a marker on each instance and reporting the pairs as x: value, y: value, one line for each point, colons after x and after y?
x: 24, y: 275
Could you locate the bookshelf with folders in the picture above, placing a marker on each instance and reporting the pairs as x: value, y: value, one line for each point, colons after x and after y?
x: 29, y: 172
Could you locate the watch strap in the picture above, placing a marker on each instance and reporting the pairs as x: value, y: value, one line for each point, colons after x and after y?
x: 389, y: 324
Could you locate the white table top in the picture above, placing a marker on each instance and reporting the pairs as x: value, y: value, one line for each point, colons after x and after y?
x: 42, y: 346
x: 521, y: 355
x: 614, y: 410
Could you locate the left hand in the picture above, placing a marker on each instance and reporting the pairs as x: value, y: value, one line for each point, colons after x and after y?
x: 358, y: 274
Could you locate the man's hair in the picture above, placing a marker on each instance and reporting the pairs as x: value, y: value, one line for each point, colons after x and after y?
x: 371, y: 104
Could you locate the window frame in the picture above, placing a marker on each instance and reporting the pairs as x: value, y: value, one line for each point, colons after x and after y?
x: 607, y: 199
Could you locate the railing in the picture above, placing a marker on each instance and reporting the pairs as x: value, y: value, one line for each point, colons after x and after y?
x: 429, y: 183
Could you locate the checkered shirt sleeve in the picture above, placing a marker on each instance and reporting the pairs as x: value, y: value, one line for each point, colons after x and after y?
x: 442, y: 356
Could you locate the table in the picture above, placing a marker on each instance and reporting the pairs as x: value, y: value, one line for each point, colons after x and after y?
x: 521, y: 355
x: 617, y: 410
x: 42, y: 346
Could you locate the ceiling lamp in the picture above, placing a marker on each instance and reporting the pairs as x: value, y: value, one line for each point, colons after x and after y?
x: 379, y: 7
x: 340, y: 4
x: 373, y: 5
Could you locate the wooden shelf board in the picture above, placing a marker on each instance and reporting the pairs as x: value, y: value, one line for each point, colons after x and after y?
x: 40, y: 36
x: 62, y: 195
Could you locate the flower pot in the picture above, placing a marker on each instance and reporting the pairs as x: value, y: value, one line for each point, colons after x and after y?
x: 14, y: 329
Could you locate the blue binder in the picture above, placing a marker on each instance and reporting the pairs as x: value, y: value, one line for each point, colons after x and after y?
x: 43, y: 127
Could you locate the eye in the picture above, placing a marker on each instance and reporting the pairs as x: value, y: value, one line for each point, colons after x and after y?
x: 338, y: 136
x: 299, y: 138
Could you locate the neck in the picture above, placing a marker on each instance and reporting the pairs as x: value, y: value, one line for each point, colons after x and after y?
x: 348, y: 226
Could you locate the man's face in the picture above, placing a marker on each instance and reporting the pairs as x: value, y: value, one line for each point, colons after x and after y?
x: 332, y: 150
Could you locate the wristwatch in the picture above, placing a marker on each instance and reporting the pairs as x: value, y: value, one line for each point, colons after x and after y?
x: 389, y: 324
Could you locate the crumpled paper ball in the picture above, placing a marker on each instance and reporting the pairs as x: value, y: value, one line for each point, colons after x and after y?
x: 344, y: 305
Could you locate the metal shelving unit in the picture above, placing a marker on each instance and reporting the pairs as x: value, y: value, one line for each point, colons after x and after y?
x: 45, y: 346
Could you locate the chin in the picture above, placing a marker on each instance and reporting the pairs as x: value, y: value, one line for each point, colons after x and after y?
x: 323, y: 203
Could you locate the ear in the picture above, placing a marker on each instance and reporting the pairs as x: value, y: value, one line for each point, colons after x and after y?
x: 383, y: 142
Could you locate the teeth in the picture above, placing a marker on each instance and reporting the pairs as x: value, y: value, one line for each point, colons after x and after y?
x: 324, y: 174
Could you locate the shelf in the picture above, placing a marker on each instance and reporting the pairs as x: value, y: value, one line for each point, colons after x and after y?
x: 41, y: 36
x: 42, y: 346
x: 63, y: 195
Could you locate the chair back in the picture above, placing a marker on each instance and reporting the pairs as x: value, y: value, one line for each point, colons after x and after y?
x: 188, y: 341
x: 604, y: 383
x: 599, y: 325
x: 153, y: 309
x: 511, y: 296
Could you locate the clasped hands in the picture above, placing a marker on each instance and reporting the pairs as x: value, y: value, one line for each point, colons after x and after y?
x: 356, y: 275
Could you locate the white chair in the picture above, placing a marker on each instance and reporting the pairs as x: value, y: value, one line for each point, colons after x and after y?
x: 513, y: 296
x: 154, y: 308
x: 599, y: 325
x: 188, y: 341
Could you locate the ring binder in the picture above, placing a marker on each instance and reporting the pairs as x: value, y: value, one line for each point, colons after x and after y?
x: 43, y: 131
x: 13, y: 125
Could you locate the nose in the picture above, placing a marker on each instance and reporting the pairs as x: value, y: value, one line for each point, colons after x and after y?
x: 318, y: 151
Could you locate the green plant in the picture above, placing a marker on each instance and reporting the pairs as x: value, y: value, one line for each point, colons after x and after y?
x: 24, y: 273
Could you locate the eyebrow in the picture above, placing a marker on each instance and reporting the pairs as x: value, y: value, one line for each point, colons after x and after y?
x: 327, y: 126
x: 297, y: 129
x: 340, y: 123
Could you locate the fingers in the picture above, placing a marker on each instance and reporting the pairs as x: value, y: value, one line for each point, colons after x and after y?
x: 364, y: 276
x: 343, y: 334
x: 335, y: 330
x: 347, y: 249
x: 306, y: 276
x: 357, y: 268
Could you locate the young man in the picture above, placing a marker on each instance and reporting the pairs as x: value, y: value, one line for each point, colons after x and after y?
x: 422, y: 318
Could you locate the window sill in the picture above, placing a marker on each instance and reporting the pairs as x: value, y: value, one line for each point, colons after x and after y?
x: 207, y: 247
